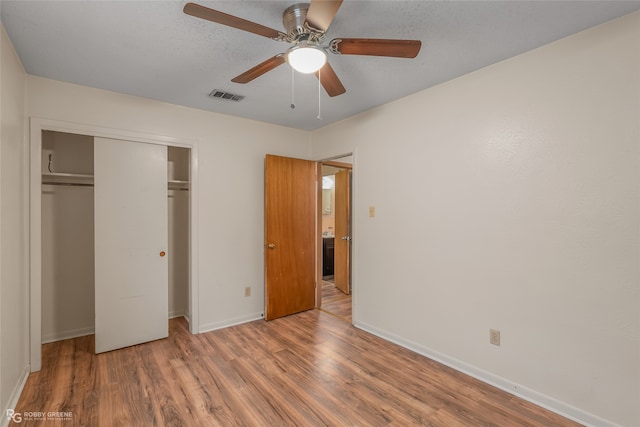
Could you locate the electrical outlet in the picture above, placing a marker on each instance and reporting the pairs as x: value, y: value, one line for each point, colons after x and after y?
x: 494, y: 337
x: 247, y: 291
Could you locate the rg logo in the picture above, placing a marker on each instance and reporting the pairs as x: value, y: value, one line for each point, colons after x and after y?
x: 16, y: 417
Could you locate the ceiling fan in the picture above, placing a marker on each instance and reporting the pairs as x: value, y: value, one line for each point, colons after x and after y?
x: 305, y: 25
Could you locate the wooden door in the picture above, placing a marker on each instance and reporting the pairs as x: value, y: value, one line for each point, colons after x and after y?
x: 290, y: 227
x: 131, y: 269
x: 342, y: 246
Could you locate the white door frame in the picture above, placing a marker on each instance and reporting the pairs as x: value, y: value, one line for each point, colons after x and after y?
x: 37, y: 125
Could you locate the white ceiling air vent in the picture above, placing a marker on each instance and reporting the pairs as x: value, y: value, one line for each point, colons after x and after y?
x: 216, y: 93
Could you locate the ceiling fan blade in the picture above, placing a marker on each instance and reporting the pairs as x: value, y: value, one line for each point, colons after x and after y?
x: 230, y: 20
x: 321, y: 13
x: 376, y: 47
x: 260, y: 69
x: 330, y: 81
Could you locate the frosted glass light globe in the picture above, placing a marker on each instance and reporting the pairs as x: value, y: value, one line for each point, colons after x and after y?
x: 306, y: 58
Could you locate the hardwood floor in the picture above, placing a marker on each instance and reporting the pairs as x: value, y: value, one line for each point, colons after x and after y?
x: 335, y: 301
x: 309, y: 369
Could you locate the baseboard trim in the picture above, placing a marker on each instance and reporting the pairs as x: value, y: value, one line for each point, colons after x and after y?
x: 542, y: 400
x: 230, y: 322
x: 76, y: 333
x: 65, y: 335
x: 15, y: 395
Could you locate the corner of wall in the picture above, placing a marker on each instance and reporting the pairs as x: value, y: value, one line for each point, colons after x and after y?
x: 12, y: 401
x: 14, y: 309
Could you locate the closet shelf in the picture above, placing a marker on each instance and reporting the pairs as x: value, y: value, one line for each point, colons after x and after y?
x: 56, y: 178
x: 78, y: 179
x: 178, y: 184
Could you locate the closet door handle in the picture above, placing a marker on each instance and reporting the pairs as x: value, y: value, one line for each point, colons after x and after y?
x: 162, y: 253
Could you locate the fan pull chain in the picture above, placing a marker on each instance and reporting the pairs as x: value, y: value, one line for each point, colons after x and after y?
x: 293, y: 89
x: 319, y: 93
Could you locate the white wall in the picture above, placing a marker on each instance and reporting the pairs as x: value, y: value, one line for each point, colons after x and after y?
x: 231, y: 168
x: 510, y: 200
x: 14, y: 288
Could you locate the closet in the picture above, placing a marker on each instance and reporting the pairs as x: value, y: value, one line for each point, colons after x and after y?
x: 115, y: 238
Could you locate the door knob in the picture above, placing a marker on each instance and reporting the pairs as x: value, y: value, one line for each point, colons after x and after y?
x: 271, y: 245
x: 162, y: 253
x: 346, y: 238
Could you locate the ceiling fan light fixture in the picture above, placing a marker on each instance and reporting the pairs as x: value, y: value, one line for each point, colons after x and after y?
x: 306, y: 58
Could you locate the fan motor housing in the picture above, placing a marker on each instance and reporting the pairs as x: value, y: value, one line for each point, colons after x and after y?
x: 293, y: 20
x: 294, y: 16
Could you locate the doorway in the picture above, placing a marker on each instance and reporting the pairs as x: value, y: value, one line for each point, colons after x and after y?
x: 40, y: 166
x: 335, y: 292
x: 293, y: 226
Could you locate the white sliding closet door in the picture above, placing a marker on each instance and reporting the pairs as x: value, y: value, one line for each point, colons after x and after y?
x: 131, y: 283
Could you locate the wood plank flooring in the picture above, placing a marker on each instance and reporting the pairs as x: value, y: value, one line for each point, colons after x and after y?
x: 335, y: 301
x: 308, y: 369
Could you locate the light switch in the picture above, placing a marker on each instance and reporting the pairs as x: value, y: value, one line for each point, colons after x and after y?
x: 372, y: 211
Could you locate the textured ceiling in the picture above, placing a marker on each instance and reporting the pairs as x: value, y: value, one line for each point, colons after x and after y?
x: 152, y: 49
